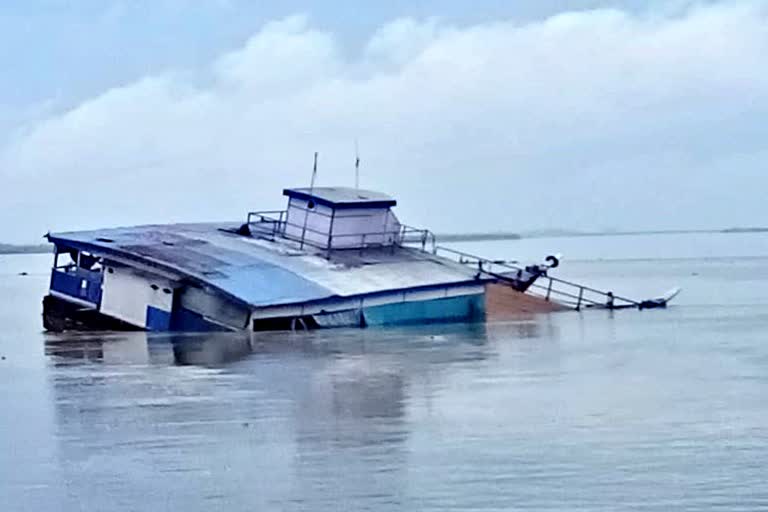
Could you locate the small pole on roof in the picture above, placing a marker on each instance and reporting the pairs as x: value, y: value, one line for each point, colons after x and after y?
x: 314, y: 173
x: 309, y: 203
x: 357, y: 166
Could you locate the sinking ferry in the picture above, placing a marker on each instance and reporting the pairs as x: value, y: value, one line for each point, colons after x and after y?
x: 335, y: 257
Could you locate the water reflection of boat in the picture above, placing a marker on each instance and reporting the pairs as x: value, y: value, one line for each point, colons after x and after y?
x: 456, y: 341
x: 106, y: 347
x: 210, y: 349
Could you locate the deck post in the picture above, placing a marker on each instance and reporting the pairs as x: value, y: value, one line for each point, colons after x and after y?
x: 549, y: 289
x: 330, y: 233
x: 581, y: 294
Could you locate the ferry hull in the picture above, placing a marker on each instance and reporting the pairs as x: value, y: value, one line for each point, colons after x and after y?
x: 499, y: 302
x: 60, y: 315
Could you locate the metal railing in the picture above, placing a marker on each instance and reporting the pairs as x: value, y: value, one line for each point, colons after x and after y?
x: 422, y: 237
x: 266, y: 223
x: 275, y: 224
x: 548, y: 288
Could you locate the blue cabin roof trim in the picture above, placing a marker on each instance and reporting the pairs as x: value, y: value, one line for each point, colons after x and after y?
x: 342, y: 197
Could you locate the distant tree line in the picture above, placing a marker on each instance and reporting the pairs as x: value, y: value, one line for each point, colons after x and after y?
x: 25, y: 249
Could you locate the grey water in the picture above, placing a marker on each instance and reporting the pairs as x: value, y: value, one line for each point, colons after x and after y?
x: 652, y: 410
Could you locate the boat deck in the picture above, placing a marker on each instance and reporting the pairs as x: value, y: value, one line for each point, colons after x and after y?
x: 259, y: 271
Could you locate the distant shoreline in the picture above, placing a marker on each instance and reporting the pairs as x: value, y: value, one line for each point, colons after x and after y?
x: 478, y: 237
x: 745, y: 230
x: 25, y: 249
x: 485, y: 237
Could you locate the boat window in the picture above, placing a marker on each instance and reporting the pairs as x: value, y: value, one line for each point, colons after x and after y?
x: 66, y: 259
x: 90, y: 262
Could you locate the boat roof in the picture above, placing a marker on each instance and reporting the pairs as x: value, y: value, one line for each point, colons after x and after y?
x: 261, y: 272
x: 342, y: 197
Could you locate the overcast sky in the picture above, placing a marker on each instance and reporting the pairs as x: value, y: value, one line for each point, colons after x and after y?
x: 477, y: 116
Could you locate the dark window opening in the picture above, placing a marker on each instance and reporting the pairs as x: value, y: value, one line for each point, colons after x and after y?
x: 297, y: 323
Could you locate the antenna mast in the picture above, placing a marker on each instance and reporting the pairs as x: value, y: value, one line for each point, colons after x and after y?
x: 314, y: 173
x: 310, y: 204
x: 357, y: 166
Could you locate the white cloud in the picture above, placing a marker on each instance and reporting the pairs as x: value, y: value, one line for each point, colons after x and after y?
x: 284, y: 58
x: 403, y: 40
x: 584, y: 119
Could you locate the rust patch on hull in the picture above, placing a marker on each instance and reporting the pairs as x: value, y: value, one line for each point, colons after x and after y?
x: 502, y: 302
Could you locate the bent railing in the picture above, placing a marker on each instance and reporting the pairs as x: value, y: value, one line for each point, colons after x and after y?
x: 548, y: 288
x: 577, y: 296
x: 275, y: 223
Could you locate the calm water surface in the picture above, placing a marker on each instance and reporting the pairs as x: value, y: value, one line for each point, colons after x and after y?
x: 654, y: 410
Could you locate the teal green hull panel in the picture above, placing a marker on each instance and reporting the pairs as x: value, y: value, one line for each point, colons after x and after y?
x: 467, y: 308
